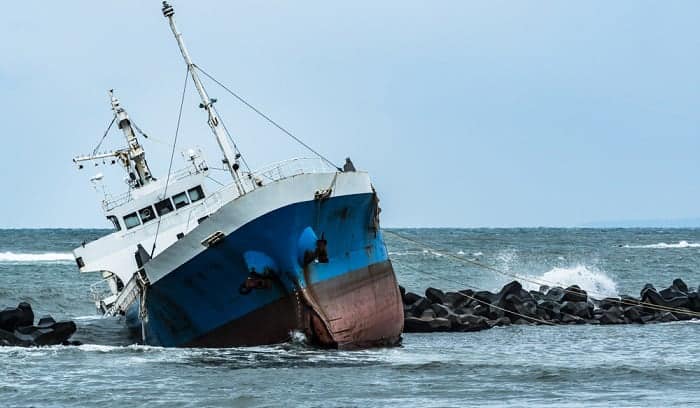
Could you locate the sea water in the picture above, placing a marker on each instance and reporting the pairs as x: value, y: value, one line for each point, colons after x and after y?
x: 629, y: 365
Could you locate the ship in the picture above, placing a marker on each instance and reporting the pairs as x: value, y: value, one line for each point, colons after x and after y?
x: 293, y: 247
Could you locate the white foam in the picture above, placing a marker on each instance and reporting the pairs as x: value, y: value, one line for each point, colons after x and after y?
x: 663, y: 245
x: 592, y: 280
x: 34, y: 257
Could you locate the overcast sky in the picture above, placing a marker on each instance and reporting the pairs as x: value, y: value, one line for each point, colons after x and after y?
x: 489, y: 113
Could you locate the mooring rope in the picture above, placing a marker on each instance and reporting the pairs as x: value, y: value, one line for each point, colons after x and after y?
x: 542, y: 281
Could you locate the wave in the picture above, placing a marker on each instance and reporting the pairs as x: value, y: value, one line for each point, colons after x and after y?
x: 663, y: 245
x: 592, y: 280
x: 36, y: 257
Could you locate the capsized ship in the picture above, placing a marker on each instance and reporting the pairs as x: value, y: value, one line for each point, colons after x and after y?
x: 293, y: 247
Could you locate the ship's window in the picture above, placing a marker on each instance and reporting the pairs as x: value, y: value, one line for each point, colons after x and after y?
x: 196, y: 193
x: 115, y: 222
x: 147, y: 214
x: 164, y: 207
x: 180, y: 200
x: 132, y: 220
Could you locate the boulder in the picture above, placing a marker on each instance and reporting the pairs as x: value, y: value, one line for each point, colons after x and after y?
x: 440, y: 310
x: 410, y: 298
x: 469, y: 323
x: 435, y: 295
x: 634, y: 314
x: 574, y: 294
x: 456, y: 299
x: 501, y: 321
x: 665, y: 317
x: 613, y: 315
x: 419, y: 306
x: 551, y: 309
x: 555, y: 294
x: 581, y: 309
x: 17, y: 329
x: 673, y: 297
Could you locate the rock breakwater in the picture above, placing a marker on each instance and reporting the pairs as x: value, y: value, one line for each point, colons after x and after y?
x: 17, y: 328
x: 468, y: 310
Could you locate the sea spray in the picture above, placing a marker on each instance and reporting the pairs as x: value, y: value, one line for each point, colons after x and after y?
x: 592, y: 280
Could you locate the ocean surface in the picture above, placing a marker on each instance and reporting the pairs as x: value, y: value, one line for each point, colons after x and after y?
x: 585, y: 366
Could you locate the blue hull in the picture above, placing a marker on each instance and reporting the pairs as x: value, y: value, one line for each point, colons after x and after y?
x: 206, y: 301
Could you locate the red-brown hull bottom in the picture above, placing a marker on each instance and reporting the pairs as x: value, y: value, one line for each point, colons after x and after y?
x: 359, y: 309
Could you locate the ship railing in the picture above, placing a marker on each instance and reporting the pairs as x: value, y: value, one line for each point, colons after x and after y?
x: 111, y: 202
x: 100, y: 290
x: 291, y: 167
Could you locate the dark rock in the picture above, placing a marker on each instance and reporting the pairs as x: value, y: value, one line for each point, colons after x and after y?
x: 555, y: 294
x: 673, y: 298
x: 9, y: 318
x: 472, y: 323
x: 435, y: 295
x: 537, y: 295
x: 402, y: 290
x: 410, y: 298
x: 609, y: 302
x: 551, y: 309
x: 665, y: 317
x: 17, y: 329
x: 680, y: 285
x: 484, y: 296
x: 456, y: 299
x: 501, y: 321
x: 581, y: 309
x: 574, y: 294
x: 634, y: 314
x: 521, y: 321
x: 481, y: 310
x: 416, y: 325
x: 440, y: 310
x: 544, y: 288
x: 571, y: 319
x: 27, y: 314
x: 428, y: 314
x: 613, y: 315
x: 694, y: 301
x: 419, y: 306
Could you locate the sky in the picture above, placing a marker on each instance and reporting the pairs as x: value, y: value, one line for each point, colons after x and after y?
x: 465, y: 113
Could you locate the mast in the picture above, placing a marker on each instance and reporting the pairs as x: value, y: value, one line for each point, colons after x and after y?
x: 133, y: 157
x: 231, y: 156
x: 136, y: 153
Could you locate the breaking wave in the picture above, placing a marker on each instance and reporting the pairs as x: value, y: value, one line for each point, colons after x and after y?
x: 42, y: 257
x: 592, y: 280
x: 663, y: 245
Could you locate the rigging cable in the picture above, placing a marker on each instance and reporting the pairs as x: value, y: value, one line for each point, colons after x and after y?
x: 94, y: 151
x: 267, y: 118
x: 172, y: 155
x: 621, y: 300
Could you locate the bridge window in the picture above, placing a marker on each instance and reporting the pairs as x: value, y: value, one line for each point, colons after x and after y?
x: 164, y: 207
x: 196, y: 193
x: 180, y: 200
x: 147, y: 214
x: 115, y: 221
x: 131, y: 221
